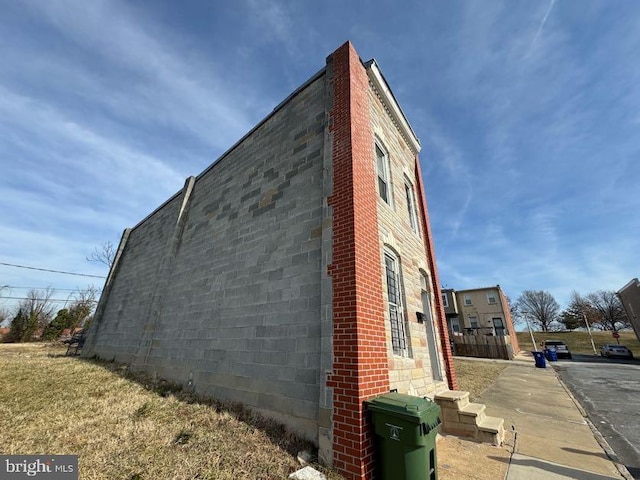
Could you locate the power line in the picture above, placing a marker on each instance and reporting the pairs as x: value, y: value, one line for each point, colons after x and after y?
x: 44, y: 299
x: 44, y: 288
x: 52, y: 271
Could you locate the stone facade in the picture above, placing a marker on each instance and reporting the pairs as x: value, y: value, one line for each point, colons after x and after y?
x: 265, y: 280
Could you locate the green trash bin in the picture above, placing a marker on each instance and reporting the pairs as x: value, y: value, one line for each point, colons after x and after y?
x: 406, y: 429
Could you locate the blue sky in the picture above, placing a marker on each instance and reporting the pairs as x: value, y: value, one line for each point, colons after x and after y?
x: 528, y: 113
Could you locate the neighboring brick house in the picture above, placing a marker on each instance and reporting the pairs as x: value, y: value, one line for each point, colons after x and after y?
x: 296, y: 274
x: 629, y: 295
x: 479, y: 311
x: 450, y: 304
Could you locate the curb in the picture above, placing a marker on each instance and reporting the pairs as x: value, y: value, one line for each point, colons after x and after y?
x: 598, y: 436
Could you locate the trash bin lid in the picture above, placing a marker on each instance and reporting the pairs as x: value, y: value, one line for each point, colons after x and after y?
x: 404, y: 405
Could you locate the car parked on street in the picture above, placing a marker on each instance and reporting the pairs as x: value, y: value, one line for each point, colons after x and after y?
x: 615, y: 350
x: 561, y: 349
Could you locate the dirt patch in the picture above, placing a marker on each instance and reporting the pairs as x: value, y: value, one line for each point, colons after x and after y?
x: 460, y: 459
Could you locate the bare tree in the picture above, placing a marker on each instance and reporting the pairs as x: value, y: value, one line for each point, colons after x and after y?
x: 34, y: 314
x: 4, y: 315
x: 104, y: 254
x: 578, y: 309
x: 608, y: 307
x: 541, y: 308
x: 74, y: 315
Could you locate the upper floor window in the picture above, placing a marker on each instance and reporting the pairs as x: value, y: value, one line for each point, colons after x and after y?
x: 467, y: 299
x: 445, y: 300
x: 394, y: 301
x: 382, y: 163
x: 491, y: 298
x: 411, y: 205
x: 473, y: 322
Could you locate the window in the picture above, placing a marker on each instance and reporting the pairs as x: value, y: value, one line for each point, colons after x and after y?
x: 455, y: 325
x: 498, y: 326
x: 394, y: 299
x: 445, y: 300
x: 383, y: 175
x: 491, y: 298
x: 473, y: 322
x: 411, y: 205
x: 467, y: 299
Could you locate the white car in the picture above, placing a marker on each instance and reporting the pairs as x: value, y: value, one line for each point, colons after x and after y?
x: 560, y: 348
x: 614, y: 350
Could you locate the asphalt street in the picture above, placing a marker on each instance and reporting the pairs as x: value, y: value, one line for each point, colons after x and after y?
x: 609, y: 391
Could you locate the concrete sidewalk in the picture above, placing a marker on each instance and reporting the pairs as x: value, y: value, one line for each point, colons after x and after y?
x: 549, y: 436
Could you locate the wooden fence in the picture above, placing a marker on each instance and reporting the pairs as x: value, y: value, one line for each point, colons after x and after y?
x: 484, y: 346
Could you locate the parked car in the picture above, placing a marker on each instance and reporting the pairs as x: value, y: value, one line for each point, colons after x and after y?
x: 561, y: 349
x: 614, y: 350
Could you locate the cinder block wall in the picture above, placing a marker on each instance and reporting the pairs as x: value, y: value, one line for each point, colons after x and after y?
x: 120, y: 328
x: 229, y: 301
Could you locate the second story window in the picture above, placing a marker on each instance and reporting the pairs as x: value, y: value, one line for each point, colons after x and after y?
x: 411, y: 206
x: 445, y: 300
x: 467, y: 299
x: 383, y: 175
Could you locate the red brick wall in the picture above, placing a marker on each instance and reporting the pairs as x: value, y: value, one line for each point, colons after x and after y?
x: 360, y: 364
x: 509, y: 322
x: 428, y: 245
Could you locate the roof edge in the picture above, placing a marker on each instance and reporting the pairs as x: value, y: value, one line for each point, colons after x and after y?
x: 632, y: 283
x: 400, y: 119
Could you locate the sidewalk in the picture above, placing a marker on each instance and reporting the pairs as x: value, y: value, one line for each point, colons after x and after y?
x: 547, y: 435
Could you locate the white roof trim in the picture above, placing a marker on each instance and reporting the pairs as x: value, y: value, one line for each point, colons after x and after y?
x: 378, y: 81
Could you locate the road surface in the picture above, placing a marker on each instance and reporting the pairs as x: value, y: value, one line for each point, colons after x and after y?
x: 609, y: 390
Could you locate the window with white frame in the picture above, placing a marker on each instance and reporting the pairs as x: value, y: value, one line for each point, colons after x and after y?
x: 498, y: 326
x: 411, y: 205
x: 455, y: 325
x: 467, y: 299
x: 445, y: 300
x: 473, y: 322
x: 491, y: 298
x: 382, y: 163
x: 394, y: 300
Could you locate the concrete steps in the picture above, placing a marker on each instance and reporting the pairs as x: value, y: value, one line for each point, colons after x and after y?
x: 463, y: 418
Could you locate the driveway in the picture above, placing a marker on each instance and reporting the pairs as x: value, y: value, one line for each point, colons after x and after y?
x: 609, y: 390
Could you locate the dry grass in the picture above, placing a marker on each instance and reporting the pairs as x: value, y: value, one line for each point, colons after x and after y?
x: 125, y: 427
x: 476, y: 376
x: 579, y: 342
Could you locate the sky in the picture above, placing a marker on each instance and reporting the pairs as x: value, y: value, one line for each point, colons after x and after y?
x: 528, y: 113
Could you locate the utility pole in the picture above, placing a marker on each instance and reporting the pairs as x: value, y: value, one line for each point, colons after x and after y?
x: 593, y: 345
x: 533, y: 340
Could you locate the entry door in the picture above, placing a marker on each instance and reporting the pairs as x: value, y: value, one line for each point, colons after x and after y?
x: 498, y: 325
x: 432, y: 339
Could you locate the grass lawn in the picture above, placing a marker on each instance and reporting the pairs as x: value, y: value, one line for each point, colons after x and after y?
x: 124, y: 427
x: 476, y: 376
x: 579, y: 342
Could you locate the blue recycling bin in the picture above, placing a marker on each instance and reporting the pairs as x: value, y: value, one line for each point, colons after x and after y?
x: 551, y: 354
x: 539, y: 358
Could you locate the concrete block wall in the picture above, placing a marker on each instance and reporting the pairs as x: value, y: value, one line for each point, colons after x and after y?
x: 117, y: 333
x: 232, y: 304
